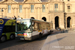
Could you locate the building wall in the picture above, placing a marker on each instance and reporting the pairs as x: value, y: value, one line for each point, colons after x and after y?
x: 50, y: 13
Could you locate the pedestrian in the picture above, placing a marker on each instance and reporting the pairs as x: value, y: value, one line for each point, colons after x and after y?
x: 14, y: 18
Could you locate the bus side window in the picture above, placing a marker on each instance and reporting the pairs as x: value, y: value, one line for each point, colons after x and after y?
x: 39, y: 26
x: 8, y: 29
x: 35, y: 27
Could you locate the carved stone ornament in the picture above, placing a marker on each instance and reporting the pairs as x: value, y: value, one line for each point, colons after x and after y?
x: 19, y: 1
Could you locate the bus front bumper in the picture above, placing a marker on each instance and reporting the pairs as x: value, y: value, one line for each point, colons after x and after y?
x: 24, y: 38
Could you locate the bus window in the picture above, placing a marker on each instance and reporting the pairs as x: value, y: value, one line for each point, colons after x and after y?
x: 23, y: 25
x: 8, y: 29
x: 35, y: 26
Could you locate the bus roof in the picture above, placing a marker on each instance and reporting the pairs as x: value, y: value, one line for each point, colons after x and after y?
x: 33, y: 19
x: 40, y: 20
x: 6, y: 18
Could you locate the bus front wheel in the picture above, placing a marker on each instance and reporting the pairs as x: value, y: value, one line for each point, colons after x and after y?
x: 12, y: 36
x: 40, y: 35
x: 3, y: 38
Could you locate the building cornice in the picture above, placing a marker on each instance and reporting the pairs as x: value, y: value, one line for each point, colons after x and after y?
x: 25, y: 3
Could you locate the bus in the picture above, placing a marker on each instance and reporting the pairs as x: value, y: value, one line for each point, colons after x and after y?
x: 30, y: 29
x: 7, y: 29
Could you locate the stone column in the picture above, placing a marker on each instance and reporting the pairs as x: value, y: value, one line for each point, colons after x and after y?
x: 39, y: 13
x: 65, y: 21
x: 5, y: 12
x: 28, y: 12
x: 36, y: 13
x: 17, y: 12
x: 24, y: 13
x: 53, y: 19
x: 71, y: 21
x: 49, y: 19
x: 13, y: 11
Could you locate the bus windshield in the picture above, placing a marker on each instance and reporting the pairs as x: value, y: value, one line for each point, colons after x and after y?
x: 23, y: 25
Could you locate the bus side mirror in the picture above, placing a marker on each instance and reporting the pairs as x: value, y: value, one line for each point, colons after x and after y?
x: 32, y: 23
x: 15, y: 22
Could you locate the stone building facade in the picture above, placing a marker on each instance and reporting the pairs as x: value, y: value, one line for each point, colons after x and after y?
x: 60, y: 12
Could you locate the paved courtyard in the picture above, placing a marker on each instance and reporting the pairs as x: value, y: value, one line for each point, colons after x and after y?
x: 60, y: 41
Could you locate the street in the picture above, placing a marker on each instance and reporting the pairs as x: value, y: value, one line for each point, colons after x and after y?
x: 23, y: 45
x: 60, y: 41
x: 57, y: 41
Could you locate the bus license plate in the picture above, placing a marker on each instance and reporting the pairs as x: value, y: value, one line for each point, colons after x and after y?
x: 21, y: 38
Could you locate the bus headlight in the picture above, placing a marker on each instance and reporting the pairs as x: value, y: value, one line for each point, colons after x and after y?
x: 27, y: 34
x: 15, y: 34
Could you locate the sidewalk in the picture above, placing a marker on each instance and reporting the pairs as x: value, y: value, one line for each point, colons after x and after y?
x: 60, y: 41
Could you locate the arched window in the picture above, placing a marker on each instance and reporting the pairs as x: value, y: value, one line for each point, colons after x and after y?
x: 44, y: 18
x: 68, y: 22
x: 19, y: 0
x: 44, y: 0
x: 56, y: 21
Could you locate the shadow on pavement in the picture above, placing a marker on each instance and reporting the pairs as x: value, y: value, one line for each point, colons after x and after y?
x: 54, y: 32
x: 18, y: 42
x: 56, y: 40
x: 10, y: 43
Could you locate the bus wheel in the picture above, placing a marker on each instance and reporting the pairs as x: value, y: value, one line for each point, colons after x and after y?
x: 40, y: 35
x: 12, y: 36
x: 3, y: 38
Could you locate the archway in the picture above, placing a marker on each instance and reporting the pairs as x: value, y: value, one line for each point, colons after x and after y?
x: 44, y: 18
x: 56, y: 21
x: 68, y: 22
x: 32, y: 18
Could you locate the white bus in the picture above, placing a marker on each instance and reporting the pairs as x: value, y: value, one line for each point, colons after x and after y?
x: 29, y: 29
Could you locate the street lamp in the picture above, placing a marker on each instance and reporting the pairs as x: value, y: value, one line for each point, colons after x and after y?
x: 2, y: 12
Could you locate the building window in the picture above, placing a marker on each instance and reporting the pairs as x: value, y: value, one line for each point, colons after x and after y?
x: 68, y: 0
x: 19, y: 0
x: 43, y: 8
x: 20, y: 8
x: 9, y: 8
x: 56, y: 7
x: 32, y: 8
x: 68, y: 8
